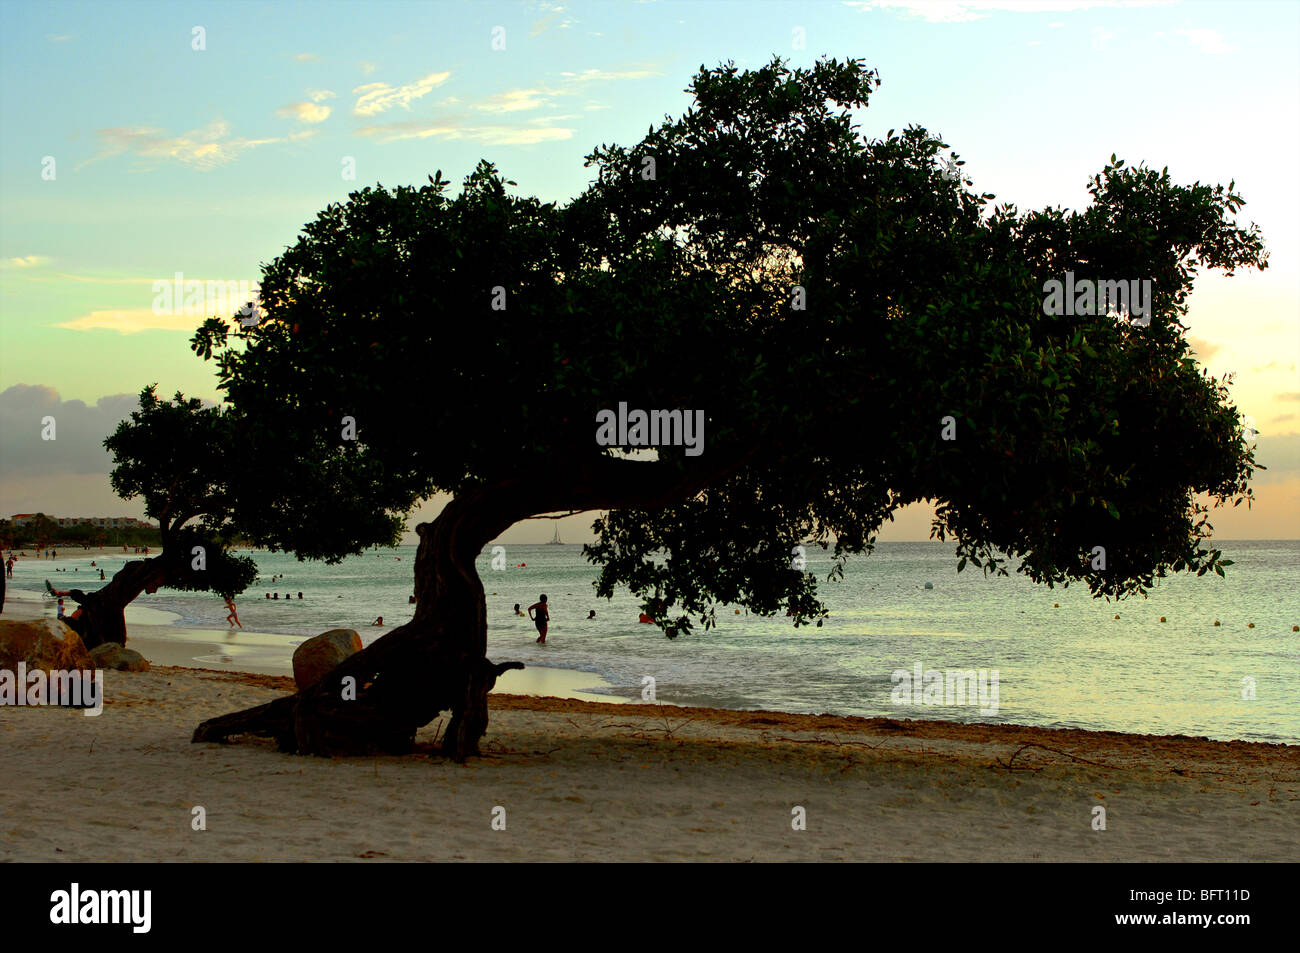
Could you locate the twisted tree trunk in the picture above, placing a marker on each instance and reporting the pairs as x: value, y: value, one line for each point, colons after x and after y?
x: 377, y: 700
x: 103, y: 612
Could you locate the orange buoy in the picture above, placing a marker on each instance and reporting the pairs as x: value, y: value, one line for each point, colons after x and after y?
x: 1216, y: 621
x: 1162, y: 618
x: 1250, y: 625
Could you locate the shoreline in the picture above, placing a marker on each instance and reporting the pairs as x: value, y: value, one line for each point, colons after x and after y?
x: 577, y: 780
x: 260, y: 653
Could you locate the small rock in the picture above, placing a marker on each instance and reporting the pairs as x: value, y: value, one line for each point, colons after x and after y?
x: 319, y: 655
x: 115, y: 656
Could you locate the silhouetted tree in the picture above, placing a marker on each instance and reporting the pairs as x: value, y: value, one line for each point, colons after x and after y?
x: 860, y: 329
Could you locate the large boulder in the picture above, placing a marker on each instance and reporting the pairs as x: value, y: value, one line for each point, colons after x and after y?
x: 118, y: 657
x: 47, y: 644
x: 318, y: 656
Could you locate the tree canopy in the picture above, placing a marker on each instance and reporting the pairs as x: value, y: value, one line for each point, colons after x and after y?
x: 177, y: 456
x: 861, y: 329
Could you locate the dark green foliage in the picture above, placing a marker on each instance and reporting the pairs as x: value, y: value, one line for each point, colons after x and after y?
x: 180, y: 456
x: 923, y: 301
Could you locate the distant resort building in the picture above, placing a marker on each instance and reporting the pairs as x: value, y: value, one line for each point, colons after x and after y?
x: 102, y: 522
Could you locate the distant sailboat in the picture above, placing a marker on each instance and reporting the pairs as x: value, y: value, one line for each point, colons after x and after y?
x: 555, y: 540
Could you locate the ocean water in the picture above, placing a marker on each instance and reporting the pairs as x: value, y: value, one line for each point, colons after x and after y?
x: 1072, y: 666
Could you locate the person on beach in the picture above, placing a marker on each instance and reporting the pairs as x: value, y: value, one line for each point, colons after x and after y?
x: 101, y: 574
x: 276, y: 596
x: 232, y: 617
x: 300, y: 595
x: 541, y: 619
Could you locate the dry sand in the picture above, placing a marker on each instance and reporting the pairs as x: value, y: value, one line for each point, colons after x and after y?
x: 584, y: 781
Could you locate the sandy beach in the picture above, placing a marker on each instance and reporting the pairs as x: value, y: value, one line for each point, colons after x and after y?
x: 578, y: 780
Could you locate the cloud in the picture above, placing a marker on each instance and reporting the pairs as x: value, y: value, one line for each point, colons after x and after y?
x: 28, y: 261
x: 58, y: 37
x: 590, y: 75
x: 493, y: 135
x: 1292, y: 395
x: 304, y: 112
x: 320, y: 95
x: 130, y: 321
x: 1203, y: 348
x: 375, y: 98
x: 555, y: 10
x: 367, y: 68
x: 306, y: 58
x: 1207, y: 41
x: 516, y: 100
x: 202, y: 149
x: 964, y: 11
x: 1281, y: 454
x: 79, y: 432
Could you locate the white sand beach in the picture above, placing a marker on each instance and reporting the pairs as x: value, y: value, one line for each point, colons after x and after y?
x: 586, y: 781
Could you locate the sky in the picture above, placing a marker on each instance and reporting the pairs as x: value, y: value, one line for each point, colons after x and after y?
x: 141, y: 141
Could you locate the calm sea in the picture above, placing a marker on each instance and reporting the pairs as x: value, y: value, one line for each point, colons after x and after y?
x: 1072, y: 666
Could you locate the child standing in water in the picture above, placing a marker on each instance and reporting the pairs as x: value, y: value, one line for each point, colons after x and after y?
x: 232, y: 617
x: 541, y: 619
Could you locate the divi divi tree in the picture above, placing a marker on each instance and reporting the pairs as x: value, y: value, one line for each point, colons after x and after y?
x: 859, y: 327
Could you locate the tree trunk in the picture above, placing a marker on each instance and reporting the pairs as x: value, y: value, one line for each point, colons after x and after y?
x: 103, y: 612
x: 379, y: 698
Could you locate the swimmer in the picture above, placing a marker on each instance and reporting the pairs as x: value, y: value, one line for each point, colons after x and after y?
x: 541, y: 619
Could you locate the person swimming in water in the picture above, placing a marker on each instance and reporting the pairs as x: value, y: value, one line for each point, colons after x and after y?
x: 591, y: 615
x: 518, y: 611
x: 378, y: 621
x: 541, y: 619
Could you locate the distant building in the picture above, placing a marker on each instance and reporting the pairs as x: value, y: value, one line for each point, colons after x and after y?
x: 99, y: 522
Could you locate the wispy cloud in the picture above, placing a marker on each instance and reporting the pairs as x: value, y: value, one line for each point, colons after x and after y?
x: 367, y: 67
x: 375, y: 98
x: 304, y: 112
x: 320, y: 95
x: 1207, y: 41
x: 202, y: 149
x: 58, y: 37
x: 591, y: 75
x: 964, y: 11
x: 28, y: 261
x: 556, y: 17
x: 493, y: 135
x: 305, y: 57
x: 516, y: 100
x: 130, y: 321
x: 1203, y: 348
